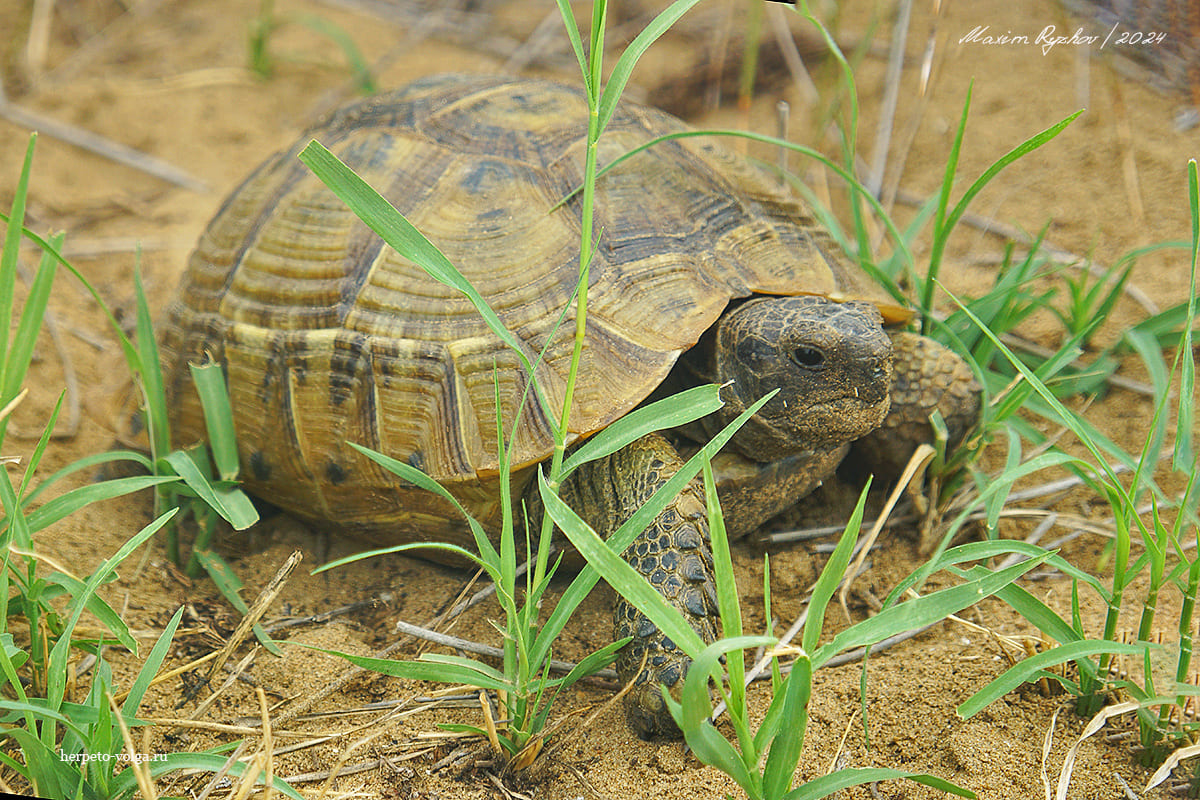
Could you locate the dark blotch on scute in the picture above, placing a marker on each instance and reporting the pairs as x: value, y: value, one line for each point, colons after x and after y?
x: 335, y: 473
x: 259, y: 466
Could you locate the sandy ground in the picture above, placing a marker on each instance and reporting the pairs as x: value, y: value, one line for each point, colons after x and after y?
x: 170, y: 80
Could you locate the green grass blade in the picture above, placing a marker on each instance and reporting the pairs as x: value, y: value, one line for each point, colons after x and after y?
x: 461, y: 552
x: 232, y: 504
x: 671, y: 412
x: 922, y: 611
x: 230, y: 586
x: 431, y: 671
x: 1184, y: 457
x: 983, y: 551
x: 829, y: 785
x: 8, y: 261
x: 633, y: 52
x: 147, y: 366
x: 639, y: 521
x: 39, y: 450
x: 1030, y: 668
x: 150, y: 666
x: 784, y: 754
x: 941, y: 227
x: 831, y: 575
x: 594, y: 661
x: 1025, y: 147
x: 57, y: 670
x: 713, y: 749
x: 218, y: 417
x: 465, y: 663
x: 415, y: 476
x: 50, y: 776
x: 32, y: 315
x: 68, y: 503
x: 572, y: 29
x: 400, y: 234
x: 1031, y: 609
x: 124, y: 786
x: 96, y: 605
x: 727, y: 593
x: 359, y: 67
x: 695, y: 708
x: 632, y: 586
x: 1073, y: 421
x: 126, y: 346
x: 945, y: 222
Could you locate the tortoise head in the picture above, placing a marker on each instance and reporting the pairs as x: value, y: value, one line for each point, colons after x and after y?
x: 831, y: 362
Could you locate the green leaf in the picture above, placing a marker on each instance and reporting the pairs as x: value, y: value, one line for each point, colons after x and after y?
x: 670, y: 412
x: 57, y: 668
x: 620, y: 539
x: 68, y: 503
x: 218, y: 417
x: 87, y: 463
x: 145, y: 364
x: 124, y: 786
x: 8, y: 261
x: 706, y: 666
x: 150, y: 666
x: 231, y: 503
x: 359, y: 67
x: 1184, y: 458
x: 487, y: 552
x: 568, y: 17
x: 633, y: 52
x: 466, y: 663
x: 922, y: 611
x: 32, y: 315
x: 432, y: 671
x: 828, y: 785
x: 831, y: 575
x: 622, y: 577
x: 461, y: 552
x: 1033, y: 611
x: 400, y: 234
x: 35, y: 458
x: 784, y: 754
x: 1030, y: 668
x: 97, y: 606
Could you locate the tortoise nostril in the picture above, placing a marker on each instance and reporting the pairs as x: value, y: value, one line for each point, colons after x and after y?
x: 808, y: 357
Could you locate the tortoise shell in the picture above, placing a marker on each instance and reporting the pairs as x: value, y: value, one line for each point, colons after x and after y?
x: 327, y: 335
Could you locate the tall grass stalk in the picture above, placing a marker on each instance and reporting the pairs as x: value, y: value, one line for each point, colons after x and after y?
x: 523, y: 680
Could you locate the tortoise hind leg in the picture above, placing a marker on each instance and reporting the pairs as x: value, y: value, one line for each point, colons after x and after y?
x: 673, y: 554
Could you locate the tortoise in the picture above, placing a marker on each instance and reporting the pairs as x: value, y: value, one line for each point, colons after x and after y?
x: 705, y: 271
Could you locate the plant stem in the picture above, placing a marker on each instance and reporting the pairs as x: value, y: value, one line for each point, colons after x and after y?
x: 595, y: 65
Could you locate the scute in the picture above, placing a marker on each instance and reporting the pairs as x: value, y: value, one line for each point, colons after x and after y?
x: 327, y: 335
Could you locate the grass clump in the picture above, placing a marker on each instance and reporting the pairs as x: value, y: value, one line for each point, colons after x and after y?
x: 265, y: 26
x: 1017, y: 386
x: 72, y: 748
x: 1158, y: 540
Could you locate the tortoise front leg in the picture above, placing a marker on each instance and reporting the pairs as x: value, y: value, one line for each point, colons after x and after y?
x: 673, y: 554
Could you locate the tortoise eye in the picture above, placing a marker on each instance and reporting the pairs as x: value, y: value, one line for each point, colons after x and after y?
x: 808, y: 357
